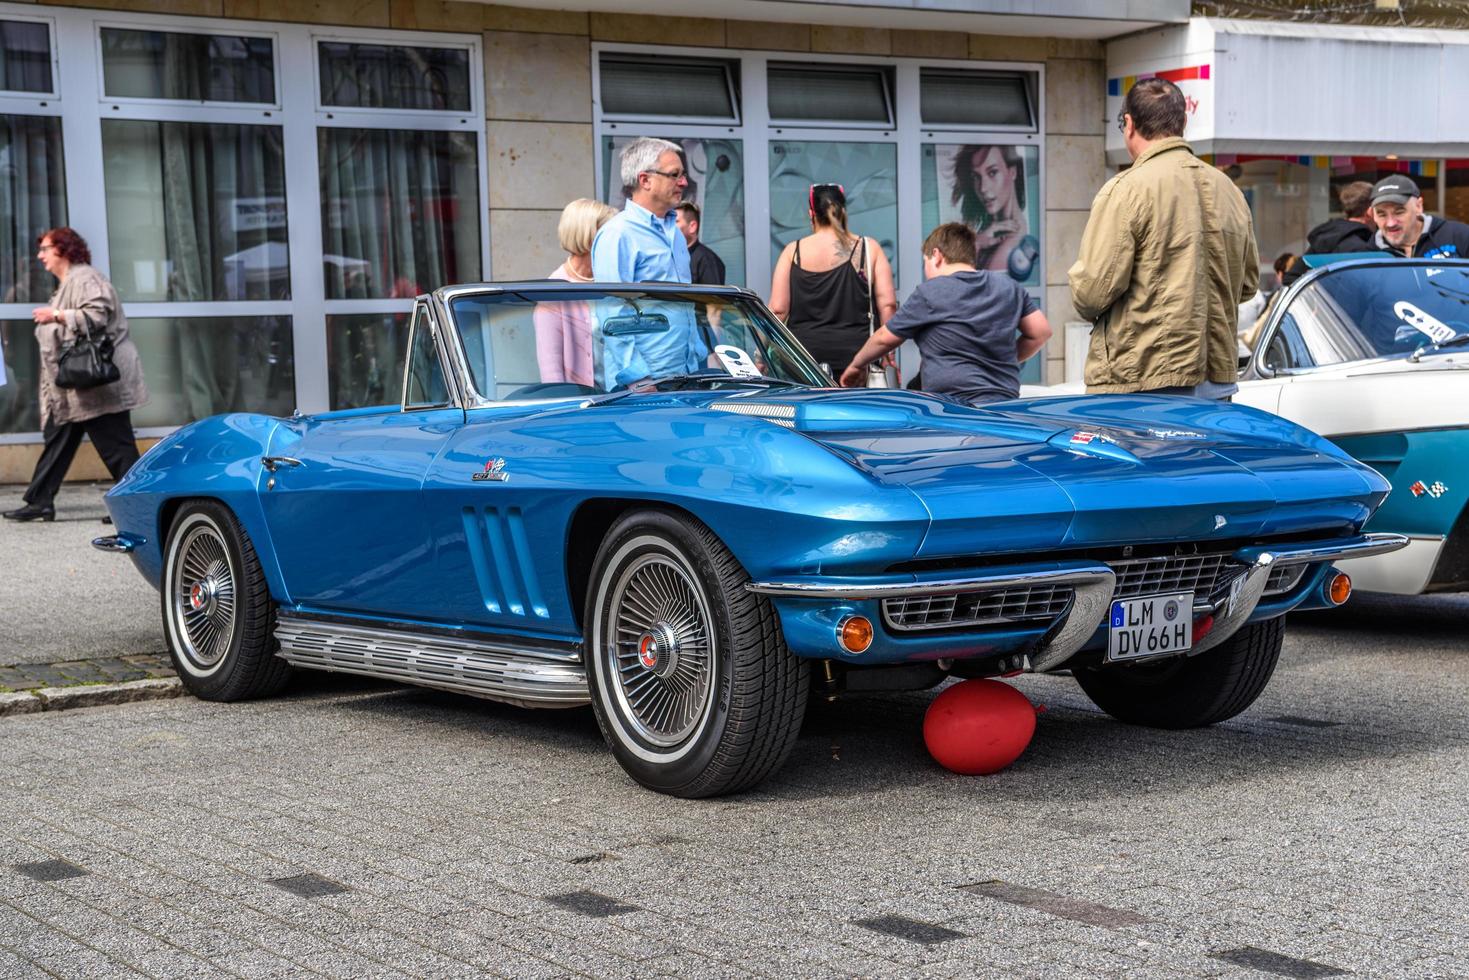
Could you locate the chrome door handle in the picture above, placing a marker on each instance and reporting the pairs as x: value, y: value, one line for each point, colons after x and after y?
x: 271, y: 462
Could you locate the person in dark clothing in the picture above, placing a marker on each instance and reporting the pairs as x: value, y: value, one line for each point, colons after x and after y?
x: 832, y: 288
x: 1336, y: 235
x: 1405, y: 231
x: 972, y: 326
x: 707, y: 267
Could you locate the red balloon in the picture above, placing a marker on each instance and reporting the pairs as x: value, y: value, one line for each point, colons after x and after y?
x: 978, y: 727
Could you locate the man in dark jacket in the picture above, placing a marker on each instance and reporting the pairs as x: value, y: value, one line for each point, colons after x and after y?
x: 1336, y: 235
x: 707, y: 268
x: 1405, y: 231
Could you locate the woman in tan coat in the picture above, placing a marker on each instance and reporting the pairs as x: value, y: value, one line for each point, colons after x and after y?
x: 84, y: 304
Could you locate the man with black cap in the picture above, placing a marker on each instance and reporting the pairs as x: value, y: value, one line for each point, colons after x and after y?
x: 1405, y: 231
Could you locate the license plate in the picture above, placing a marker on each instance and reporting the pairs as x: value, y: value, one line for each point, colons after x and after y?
x: 1151, y: 626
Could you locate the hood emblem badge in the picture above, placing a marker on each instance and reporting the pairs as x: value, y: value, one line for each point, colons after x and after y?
x: 494, y: 471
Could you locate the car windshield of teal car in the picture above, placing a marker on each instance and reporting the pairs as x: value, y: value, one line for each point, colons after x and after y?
x: 1382, y: 310
x: 549, y: 343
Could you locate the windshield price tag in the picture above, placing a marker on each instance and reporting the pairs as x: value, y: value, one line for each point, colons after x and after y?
x: 1436, y: 330
x: 736, y: 361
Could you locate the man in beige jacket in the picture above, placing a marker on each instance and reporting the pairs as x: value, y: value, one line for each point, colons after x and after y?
x: 1167, y: 257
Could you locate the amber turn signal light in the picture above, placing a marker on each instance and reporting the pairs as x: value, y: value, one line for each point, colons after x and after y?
x: 855, y: 634
x: 1341, y: 588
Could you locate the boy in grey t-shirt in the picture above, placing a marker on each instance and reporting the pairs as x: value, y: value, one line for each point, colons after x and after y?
x: 964, y: 321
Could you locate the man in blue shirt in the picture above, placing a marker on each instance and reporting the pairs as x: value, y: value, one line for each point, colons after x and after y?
x: 644, y: 244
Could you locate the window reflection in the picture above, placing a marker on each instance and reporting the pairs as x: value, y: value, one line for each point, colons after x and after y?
x: 364, y: 356
x: 201, y: 366
x: 390, y: 76
x: 196, y: 211
x: 32, y: 199
x: 20, y: 411
x: 25, y: 56
x: 190, y: 67
x: 399, y: 210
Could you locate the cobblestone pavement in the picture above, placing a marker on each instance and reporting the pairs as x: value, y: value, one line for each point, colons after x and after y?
x: 353, y: 830
x: 96, y: 670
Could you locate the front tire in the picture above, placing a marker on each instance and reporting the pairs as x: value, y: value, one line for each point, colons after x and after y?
x: 217, y: 612
x: 1189, y: 692
x: 695, y: 691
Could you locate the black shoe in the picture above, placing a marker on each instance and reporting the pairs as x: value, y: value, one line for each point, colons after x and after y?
x: 30, y: 512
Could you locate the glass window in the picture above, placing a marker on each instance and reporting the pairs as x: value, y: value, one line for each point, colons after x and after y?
x: 390, y: 76
x: 992, y: 189
x: 559, y: 343
x: 399, y: 211
x: 189, y: 67
x: 20, y: 406
x: 820, y: 94
x: 426, y: 386
x: 868, y: 172
x: 667, y: 87
x: 25, y: 56
x: 196, y: 211
x: 364, y: 356
x: 954, y: 97
x: 716, y: 184
x: 32, y: 199
x: 201, y: 366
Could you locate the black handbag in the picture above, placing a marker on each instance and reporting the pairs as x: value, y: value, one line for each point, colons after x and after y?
x: 86, y: 363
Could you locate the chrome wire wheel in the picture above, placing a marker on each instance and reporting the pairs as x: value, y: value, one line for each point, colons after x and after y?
x: 203, y: 596
x: 659, y: 648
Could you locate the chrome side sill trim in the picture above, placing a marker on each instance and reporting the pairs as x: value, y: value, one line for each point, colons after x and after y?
x: 466, y: 666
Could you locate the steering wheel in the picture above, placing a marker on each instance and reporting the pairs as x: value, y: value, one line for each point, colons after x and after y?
x: 551, y: 389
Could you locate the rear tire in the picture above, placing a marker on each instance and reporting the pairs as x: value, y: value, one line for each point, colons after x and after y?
x: 1189, y: 692
x: 217, y: 612
x: 694, y: 689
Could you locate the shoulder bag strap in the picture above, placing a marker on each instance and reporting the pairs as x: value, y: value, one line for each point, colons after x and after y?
x: 867, y: 263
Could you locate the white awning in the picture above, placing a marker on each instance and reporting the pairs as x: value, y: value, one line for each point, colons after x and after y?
x: 1304, y: 89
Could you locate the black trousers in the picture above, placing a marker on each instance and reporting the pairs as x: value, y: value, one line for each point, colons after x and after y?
x: 111, y: 434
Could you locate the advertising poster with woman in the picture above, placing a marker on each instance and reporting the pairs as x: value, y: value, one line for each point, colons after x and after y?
x: 994, y: 189
x: 716, y: 184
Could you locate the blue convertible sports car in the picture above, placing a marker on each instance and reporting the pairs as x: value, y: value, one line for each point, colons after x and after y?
x: 645, y: 498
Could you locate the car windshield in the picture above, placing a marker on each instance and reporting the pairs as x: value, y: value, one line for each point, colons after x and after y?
x: 559, y: 343
x: 1360, y: 312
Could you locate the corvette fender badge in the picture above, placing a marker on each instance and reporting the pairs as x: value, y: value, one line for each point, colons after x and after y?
x: 1434, y: 489
x: 494, y: 470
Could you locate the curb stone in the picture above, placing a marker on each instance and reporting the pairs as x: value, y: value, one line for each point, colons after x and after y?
x: 20, y: 703
x: 89, y: 696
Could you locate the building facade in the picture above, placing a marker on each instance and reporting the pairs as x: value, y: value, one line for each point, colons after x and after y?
x: 269, y: 184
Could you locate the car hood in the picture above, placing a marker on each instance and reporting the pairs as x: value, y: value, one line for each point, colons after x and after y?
x: 1068, y: 473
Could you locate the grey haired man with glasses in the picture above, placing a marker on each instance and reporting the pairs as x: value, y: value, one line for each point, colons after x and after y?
x: 644, y: 244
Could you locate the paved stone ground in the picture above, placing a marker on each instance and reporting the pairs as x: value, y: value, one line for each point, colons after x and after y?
x: 355, y: 830
x: 61, y: 599
x: 96, y: 670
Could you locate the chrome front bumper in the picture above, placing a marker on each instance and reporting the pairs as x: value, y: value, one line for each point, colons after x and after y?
x: 1093, y: 584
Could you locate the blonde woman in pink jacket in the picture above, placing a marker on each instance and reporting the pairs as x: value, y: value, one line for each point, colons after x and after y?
x: 564, y: 330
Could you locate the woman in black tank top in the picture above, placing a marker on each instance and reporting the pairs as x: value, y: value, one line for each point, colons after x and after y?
x: 827, y: 308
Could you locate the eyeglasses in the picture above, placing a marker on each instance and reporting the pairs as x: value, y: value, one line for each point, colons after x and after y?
x: 670, y: 174
x: 46, y: 248
x: 1122, y: 121
x: 811, y: 194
